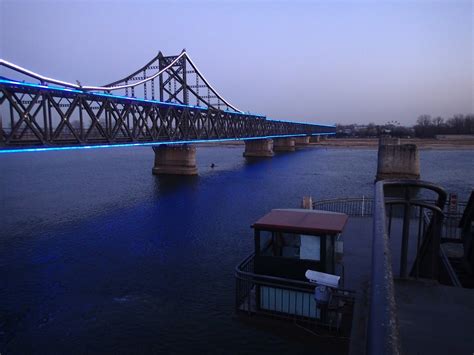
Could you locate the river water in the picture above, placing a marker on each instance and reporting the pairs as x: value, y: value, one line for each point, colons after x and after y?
x: 97, y: 255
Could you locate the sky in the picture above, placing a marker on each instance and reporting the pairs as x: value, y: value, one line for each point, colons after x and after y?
x: 314, y: 61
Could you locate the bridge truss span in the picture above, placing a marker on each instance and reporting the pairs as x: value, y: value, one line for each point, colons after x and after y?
x: 150, y: 106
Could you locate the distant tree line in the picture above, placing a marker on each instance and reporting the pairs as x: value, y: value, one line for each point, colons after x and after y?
x: 372, y: 130
x: 425, y: 127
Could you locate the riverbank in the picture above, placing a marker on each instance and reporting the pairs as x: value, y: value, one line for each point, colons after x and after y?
x: 365, y: 143
x: 372, y: 143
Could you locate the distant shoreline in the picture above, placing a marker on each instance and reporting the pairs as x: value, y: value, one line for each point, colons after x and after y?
x: 372, y: 143
x: 423, y: 144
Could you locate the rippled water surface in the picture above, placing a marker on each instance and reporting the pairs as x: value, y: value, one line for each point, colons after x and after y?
x: 98, y: 255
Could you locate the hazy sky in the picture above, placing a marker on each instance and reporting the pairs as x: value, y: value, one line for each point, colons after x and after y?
x: 322, y: 61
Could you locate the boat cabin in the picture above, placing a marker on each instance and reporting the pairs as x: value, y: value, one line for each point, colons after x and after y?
x: 288, y: 242
x: 292, y: 273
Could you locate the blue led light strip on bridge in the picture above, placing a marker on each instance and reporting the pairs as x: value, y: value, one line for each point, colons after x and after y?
x: 124, y: 145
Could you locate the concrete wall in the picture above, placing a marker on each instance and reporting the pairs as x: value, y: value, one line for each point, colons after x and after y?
x: 398, y: 162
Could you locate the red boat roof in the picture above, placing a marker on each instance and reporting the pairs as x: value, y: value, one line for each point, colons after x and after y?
x: 302, y: 221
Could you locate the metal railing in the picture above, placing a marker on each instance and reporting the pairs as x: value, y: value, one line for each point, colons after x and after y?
x: 364, y: 207
x: 452, y: 217
x: 284, y: 298
x: 430, y: 228
x: 243, y: 286
x: 355, y: 207
x: 383, y: 330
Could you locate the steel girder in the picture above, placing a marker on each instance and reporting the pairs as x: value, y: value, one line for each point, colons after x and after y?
x: 45, y: 116
x: 180, y: 83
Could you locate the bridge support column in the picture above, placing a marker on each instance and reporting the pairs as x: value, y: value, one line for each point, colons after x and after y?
x: 301, y: 141
x: 284, y: 145
x: 315, y: 139
x: 397, y: 161
x: 258, y: 148
x: 175, y: 159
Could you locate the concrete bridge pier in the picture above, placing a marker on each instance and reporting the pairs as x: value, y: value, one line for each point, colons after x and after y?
x: 397, y: 161
x: 315, y: 139
x: 302, y: 141
x: 258, y: 148
x: 175, y: 159
x: 284, y: 145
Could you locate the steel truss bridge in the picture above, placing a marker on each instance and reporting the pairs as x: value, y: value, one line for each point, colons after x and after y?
x: 168, y: 100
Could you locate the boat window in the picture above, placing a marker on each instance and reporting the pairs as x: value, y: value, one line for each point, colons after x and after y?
x: 280, y: 244
x: 289, y: 245
x: 310, y: 247
x: 265, y: 242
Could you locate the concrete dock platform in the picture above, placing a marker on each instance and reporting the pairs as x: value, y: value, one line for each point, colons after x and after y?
x: 433, y: 318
